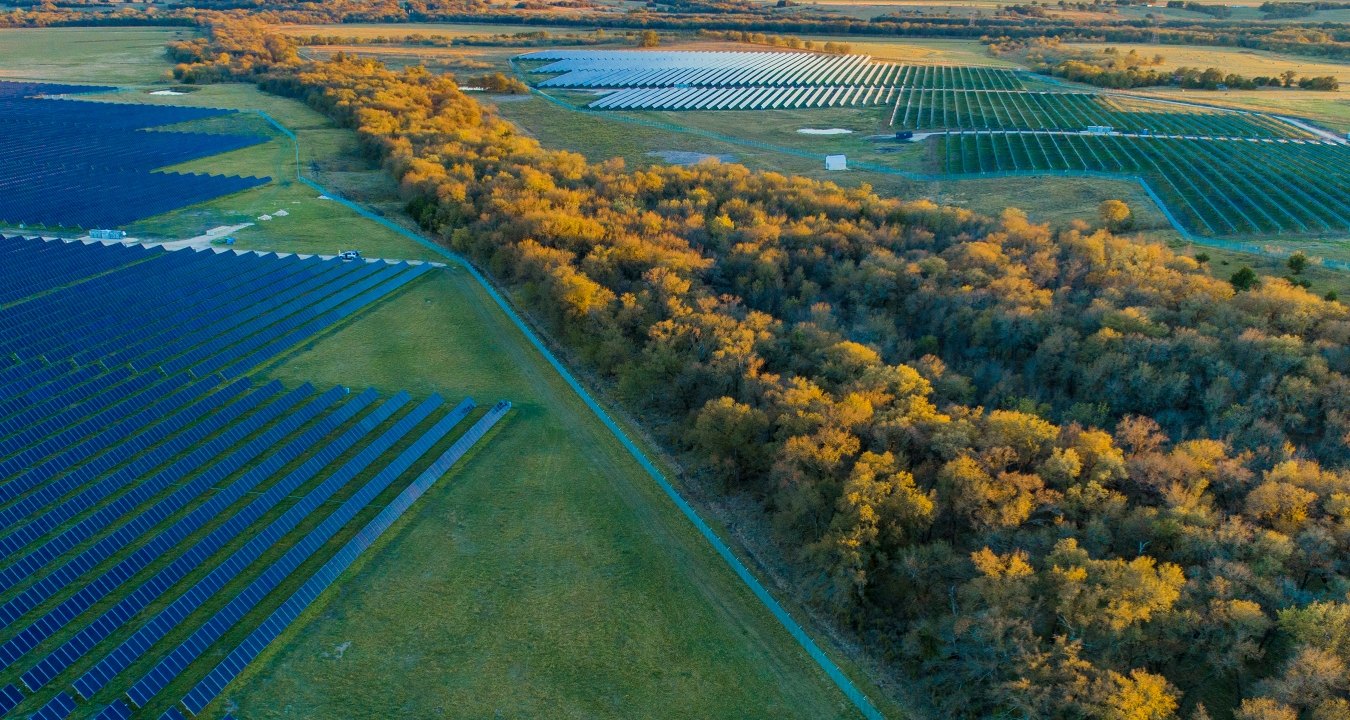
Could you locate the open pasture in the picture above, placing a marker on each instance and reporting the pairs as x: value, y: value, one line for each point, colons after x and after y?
x: 1213, y: 187
x: 166, y: 518
x: 87, y: 54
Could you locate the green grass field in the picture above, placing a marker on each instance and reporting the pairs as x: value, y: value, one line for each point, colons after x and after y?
x: 549, y: 576
x: 86, y: 55
x: 1242, y: 61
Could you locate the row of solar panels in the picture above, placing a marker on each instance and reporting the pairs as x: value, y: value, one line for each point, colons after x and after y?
x: 127, y: 483
x: 77, y: 197
x: 222, y: 327
x: 791, y: 69
x: 75, y: 163
x: 14, y: 88
x: 637, y: 68
x: 55, y: 144
x: 743, y: 98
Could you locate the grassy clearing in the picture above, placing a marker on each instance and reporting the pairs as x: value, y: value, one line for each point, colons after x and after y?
x: 86, y: 55
x: 603, y: 136
x: 1223, y: 263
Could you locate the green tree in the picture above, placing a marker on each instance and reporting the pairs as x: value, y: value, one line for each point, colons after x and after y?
x: 731, y: 436
x: 1298, y: 262
x: 880, y: 510
x: 1244, y: 279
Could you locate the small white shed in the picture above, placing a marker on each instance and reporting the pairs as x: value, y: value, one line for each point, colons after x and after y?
x: 836, y: 162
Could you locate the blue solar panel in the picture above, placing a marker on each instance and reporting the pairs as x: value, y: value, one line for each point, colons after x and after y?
x: 209, y: 687
x: 116, y: 711
x: 172, y: 664
x: 57, y: 708
x: 114, y: 663
x: 104, y: 548
x: 10, y: 697
x: 151, y: 589
x: 124, y: 477
x: 123, y: 440
x: 87, y: 164
x: 11, y: 88
x: 142, y: 465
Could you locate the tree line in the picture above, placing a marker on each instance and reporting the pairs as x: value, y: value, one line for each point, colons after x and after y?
x: 1052, y: 473
x: 1111, y: 68
x: 1317, y: 39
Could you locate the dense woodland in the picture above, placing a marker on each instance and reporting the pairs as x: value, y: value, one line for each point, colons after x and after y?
x: 1044, y: 473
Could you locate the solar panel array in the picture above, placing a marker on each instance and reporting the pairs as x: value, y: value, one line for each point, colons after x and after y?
x: 715, y: 69
x: 744, y: 98
x: 691, y: 80
x: 13, y: 88
x: 75, y: 163
x: 156, y: 501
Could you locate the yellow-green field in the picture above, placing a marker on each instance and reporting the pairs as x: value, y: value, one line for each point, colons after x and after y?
x: 1242, y: 61
x: 402, y: 30
x: 112, y: 55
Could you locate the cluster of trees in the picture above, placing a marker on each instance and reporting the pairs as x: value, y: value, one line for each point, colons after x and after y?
x: 533, y: 38
x: 1113, y: 69
x: 500, y: 84
x: 1290, y: 10
x: 1219, y: 11
x: 1046, y: 473
x: 780, y: 41
x: 1215, y: 79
